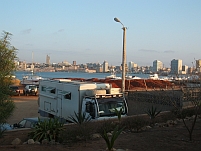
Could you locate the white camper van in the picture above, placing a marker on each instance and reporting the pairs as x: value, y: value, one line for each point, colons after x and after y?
x: 62, y: 98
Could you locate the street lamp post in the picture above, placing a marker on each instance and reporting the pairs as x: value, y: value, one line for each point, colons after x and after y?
x: 123, y: 56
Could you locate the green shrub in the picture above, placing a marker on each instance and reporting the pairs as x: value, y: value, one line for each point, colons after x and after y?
x: 110, y: 141
x: 134, y: 123
x: 80, y: 118
x: 119, y: 112
x: 106, y: 125
x: 74, y: 133
x: 48, y: 129
x: 153, y: 112
x: 188, y: 112
x: 1, y: 132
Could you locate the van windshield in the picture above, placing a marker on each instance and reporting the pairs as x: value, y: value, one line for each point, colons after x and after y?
x: 107, y: 106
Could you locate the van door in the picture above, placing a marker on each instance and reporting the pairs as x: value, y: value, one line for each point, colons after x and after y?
x: 89, y: 107
x: 59, y: 103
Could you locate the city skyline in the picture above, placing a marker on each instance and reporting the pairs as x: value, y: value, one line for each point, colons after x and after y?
x: 86, y: 32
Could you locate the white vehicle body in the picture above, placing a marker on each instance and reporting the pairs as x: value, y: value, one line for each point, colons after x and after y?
x: 154, y: 76
x: 63, y: 98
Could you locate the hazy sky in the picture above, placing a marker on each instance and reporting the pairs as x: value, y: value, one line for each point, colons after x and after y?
x: 85, y: 30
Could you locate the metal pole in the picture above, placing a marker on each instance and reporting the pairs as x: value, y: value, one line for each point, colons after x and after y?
x: 124, y: 60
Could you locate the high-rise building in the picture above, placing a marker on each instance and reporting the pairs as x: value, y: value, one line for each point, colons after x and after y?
x: 47, y: 59
x: 132, y: 66
x: 198, y: 65
x: 74, y: 63
x: 176, y: 66
x: 105, y: 66
x: 184, y: 69
x: 157, y: 65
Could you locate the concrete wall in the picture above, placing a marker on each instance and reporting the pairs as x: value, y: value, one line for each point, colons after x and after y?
x: 140, y: 101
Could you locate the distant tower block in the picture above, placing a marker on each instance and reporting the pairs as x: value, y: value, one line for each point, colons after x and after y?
x: 47, y: 59
x: 105, y: 66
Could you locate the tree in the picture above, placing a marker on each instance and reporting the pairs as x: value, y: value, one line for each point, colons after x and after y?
x: 7, y: 66
x: 191, y: 94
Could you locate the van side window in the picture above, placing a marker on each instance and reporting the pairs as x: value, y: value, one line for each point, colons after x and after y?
x: 43, y: 88
x: 53, y: 91
x: 67, y: 96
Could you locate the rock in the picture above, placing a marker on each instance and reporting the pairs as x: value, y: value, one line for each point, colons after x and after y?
x: 45, y: 141
x: 175, y: 122
x: 24, y: 143
x: 113, y: 149
x: 162, y: 125
x: 52, y: 142
x: 170, y: 122
x: 109, y: 134
x: 16, y: 141
x: 94, y: 136
x: 192, y: 117
x: 179, y: 120
x: 30, y: 141
x: 123, y: 132
x: 37, y: 142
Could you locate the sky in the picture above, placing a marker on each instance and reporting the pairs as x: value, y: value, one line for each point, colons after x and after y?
x: 85, y: 31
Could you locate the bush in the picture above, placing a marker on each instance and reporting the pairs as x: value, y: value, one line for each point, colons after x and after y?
x: 153, y: 112
x: 134, y: 123
x: 110, y: 141
x: 48, y: 129
x: 106, y: 125
x: 75, y: 133
x: 80, y: 118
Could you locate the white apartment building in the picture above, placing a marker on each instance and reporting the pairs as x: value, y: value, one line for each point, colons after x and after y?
x: 184, y: 69
x: 198, y: 65
x: 48, y: 59
x: 105, y: 66
x: 157, y: 65
x: 132, y: 66
x: 176, y: 66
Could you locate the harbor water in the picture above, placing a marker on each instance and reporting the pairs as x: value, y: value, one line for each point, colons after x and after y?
x: 20, y: 74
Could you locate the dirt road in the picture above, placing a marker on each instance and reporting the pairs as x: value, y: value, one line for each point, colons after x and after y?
x: 26, y: 106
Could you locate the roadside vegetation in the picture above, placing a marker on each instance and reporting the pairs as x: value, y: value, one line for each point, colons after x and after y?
x: 191, y: 95
x: 7, y: 66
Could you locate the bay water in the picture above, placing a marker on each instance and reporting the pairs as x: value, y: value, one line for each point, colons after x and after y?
x: 19, y: 75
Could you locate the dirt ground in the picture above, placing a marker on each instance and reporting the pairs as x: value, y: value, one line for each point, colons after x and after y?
x: 26, y: 106
x: 155, y: 139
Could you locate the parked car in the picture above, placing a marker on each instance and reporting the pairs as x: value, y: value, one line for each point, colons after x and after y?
x: 30, y: 90
x: 29, y: 122
x: 15, y: 90
x: 5, y: 127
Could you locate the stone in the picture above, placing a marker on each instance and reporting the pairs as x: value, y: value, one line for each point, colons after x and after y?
x: 170, y: 122
x: 94, y: 136
x: 37, y: 142
x: 113, y: 149
x: 45, y: 141
x: 24, y: 143
x: 148, y: 127
x: 175, y: 122
x: 30, y: 141
x: 16, y: 141
x: 52, y: 142
x: 109, y: 134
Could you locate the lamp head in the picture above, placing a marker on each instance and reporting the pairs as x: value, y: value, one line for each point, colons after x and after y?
x: 117, y: 20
